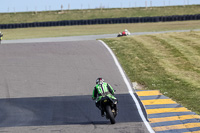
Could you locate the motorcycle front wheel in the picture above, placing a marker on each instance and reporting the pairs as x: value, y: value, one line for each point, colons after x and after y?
x: 110, y: 114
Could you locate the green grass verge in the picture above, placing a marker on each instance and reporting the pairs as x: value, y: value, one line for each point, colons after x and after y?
x: 61, y: 31
x: 166, y: 62
x: 25, y: 17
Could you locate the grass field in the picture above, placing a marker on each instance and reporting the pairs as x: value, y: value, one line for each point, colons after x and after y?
x: 167, y: 62
x: 61, y: 31
x: 24, y: 17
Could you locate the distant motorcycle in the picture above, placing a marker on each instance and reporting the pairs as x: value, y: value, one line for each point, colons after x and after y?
x: 120, y: 34
x: 109, y: 106
x: 1, y: 37
x: 124, y: 33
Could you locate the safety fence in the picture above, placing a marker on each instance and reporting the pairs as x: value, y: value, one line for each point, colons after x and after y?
x: 103, y: 21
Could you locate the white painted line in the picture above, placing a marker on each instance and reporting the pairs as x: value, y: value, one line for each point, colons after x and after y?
x: 129, y: 89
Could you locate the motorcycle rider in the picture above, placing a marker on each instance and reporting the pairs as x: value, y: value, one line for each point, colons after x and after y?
x: 102, y: 88
x: 1, y: 36
x: 126, y: 32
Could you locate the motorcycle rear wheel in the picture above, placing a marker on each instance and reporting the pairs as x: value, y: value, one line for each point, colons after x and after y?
x: 110, y: 114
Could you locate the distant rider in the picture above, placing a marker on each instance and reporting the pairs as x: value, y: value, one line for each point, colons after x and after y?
x: 126, y: 32
x: 102, y: 88
x: 1, y: 37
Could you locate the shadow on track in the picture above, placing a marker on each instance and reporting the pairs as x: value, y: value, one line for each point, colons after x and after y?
x: 63, y: 110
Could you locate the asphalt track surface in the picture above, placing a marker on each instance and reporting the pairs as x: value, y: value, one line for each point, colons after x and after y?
x: 46, y: 87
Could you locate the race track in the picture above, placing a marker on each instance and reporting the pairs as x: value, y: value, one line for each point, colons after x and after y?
x: 46, y: 87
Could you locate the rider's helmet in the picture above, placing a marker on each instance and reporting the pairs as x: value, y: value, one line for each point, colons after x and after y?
x: 99, y: 81
x: 125, y: 30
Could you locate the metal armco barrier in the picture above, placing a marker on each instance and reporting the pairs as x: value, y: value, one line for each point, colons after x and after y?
x: 103, y: 21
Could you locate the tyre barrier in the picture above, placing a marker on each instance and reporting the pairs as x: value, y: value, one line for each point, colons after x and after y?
x: 103, y: 21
